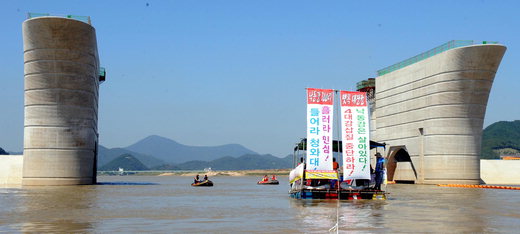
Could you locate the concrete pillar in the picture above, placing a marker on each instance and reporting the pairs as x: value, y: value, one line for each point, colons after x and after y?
x: 61, y: 70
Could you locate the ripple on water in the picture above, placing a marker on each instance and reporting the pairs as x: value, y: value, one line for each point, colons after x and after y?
x: 238, y: 204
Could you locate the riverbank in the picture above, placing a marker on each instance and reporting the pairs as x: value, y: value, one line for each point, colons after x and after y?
x: 230, y: 173
x: 258, y: 172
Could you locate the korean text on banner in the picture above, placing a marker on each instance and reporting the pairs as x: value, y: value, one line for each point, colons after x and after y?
x: 330, y: 175
x: 320, y: 113
x: 355, y: 135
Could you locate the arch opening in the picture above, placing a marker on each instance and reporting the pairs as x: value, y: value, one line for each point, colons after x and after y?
x: 400, y: 167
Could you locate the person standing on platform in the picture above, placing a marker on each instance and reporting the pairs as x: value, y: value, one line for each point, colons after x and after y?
x: 335, y: 167
x: 379, y: 171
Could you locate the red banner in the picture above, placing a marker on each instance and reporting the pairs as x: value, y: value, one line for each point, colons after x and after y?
x: 355, y: 135
x: 353, y: 98
x: 320, y: 96
x: 320, y: 119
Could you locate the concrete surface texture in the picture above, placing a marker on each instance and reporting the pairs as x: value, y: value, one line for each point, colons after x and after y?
x: 61, y: 68
x: 500, y: 171
x: 435, y: 108
x: 11, y: 170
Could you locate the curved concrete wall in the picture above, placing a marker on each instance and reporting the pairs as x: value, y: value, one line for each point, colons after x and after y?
x: 61, y: 70
x: 436, y: 107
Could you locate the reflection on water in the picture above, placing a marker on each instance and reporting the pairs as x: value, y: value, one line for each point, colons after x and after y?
x: 126, y: 183
x: 49, y: 209
x: 359, y: 215
x: 238, y: 204
x: 63, y: 226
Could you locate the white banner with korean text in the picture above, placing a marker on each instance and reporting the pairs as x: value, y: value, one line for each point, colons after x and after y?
x: 320, y: 112
x: 355, y: 135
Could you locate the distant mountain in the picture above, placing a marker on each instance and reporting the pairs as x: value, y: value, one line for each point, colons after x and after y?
x: 502, y: 137
x: 174, y: 153
x: 106, y: 155
x: 125, y: 161
x: 3, y: 152
x: 244, y: 162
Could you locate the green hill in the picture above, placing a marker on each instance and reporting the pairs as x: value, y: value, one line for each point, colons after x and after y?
x: 106, y: 155
x: 244, y: 162
x: 126, y: 161
x: 501, y: 138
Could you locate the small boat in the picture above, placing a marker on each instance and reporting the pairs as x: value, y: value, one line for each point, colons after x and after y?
x: 269, y: 182
x: 203, y: 183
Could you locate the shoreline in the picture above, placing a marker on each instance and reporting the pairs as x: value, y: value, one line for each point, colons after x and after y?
x: 255, y: 172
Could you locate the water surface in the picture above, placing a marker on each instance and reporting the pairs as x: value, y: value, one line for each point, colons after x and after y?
x: 237, y: 204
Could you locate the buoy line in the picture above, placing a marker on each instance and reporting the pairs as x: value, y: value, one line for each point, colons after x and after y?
x: 479, y: 186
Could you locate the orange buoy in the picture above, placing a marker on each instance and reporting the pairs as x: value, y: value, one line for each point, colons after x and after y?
x: 479, y: 186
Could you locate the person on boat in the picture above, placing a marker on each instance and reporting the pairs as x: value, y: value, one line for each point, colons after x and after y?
x: 196, y: 179
x: 273, y: 177
x: 301, y: 161
x: 205, y: 177
x: 305, y: 181
x: 335, y: 165
x: 379, y: 171
x: 265, y: 179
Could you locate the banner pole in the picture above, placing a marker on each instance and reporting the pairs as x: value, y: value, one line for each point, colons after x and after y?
x: 337, y: 116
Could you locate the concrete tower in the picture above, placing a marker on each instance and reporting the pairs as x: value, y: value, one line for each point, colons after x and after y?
x: 433, y: 106
x: 61, y: 69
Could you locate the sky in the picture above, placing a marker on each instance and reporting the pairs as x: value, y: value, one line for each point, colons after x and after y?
x: 213, y: 72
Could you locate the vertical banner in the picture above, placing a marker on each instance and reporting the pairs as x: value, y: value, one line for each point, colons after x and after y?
x: 355, y: 135
x: 320, y: 114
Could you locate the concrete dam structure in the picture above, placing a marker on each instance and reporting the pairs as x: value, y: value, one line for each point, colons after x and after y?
x: 61, y: 75
x: 430, y: 110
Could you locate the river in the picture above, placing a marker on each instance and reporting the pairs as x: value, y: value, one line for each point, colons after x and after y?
x: 166, y: 204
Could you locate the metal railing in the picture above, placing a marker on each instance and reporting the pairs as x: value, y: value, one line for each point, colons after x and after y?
x: 437, y: 50
x: 102, y: 71
x: 85, y: 19
x: 371, y: 82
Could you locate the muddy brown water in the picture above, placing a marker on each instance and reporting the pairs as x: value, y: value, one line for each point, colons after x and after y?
x: 166, y: 204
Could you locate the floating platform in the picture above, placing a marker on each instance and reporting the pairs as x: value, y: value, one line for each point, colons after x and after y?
x: 342, y: 194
